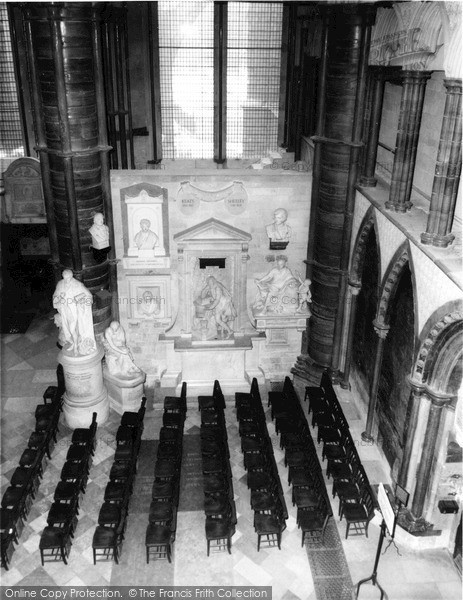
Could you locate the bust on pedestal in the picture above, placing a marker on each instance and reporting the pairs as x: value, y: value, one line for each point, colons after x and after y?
x: 123, y: 378
x: 80, y: 357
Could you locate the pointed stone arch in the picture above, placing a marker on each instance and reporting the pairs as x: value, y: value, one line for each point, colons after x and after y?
x: 390, y: 282
x: 440, y: 349
x: 358, y: 254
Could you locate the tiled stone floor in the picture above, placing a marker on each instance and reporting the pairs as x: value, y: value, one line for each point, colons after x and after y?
x: 28, y: 366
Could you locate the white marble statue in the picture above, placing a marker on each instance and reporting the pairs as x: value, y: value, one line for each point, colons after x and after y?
x: 99, y: 232
x: 305, y: 297
x: 119, y: 359
x: 73, y: 301
x: 146, y: 240
x: 215, y: 305
x: 279, y: 230
x: 277, y: 290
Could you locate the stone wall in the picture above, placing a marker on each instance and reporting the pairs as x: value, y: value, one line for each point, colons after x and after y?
x: 266, y: 191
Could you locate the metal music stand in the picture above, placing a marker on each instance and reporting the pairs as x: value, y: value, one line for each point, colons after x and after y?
x: 389, y: 518
x: 401, y: 499
x: 373, y: 577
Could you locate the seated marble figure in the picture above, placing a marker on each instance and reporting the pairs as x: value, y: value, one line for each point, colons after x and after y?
x: 119, y: 359
x: 214, y: 311
x: 277, y: 290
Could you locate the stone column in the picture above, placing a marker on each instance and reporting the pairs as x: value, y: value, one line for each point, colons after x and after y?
x: 447, y: 173
x: 354, y: 291
x: 438, y: 402
x: 379, y: 75
x: 335, y: 177
x: 69, y: 111
x: 411, y: 109
x: 381, y: 330
x: 410, y: 429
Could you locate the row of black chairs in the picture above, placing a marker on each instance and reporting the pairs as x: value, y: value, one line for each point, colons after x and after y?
x: 219, y: 502
x: 305, y: 475
x: 18, y: 497
x: 56, y: 538
x: 344, y: 467
x: 267, y: 498
x: 112, y: 517
x: 162, y: 526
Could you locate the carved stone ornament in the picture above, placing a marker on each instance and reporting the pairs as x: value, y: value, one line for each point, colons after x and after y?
x: 24, y: 202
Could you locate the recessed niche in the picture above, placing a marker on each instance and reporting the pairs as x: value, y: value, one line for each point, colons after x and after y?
x: 212, y: 262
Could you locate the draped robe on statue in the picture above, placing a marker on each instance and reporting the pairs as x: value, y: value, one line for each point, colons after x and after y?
x: 73, y: 301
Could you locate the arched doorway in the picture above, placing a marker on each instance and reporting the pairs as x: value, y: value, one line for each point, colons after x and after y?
x: 365, y: 338
x: 394, y: 386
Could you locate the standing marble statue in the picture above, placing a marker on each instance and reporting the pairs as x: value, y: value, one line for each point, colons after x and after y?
x: 279, y: 230
x: 99, y: 232
x: 73, y: 301
x: 119, y: 359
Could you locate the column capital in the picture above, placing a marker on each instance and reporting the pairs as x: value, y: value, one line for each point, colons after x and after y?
x: 355, y: 289
x: 453, y: 85
x: 436, y: 397
x: 414, y: 77
x: 381, y: 329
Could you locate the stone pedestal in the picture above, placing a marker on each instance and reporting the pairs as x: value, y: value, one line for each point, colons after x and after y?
x: 85, y: 391
x: 200, y: 363
x: 124, y: 394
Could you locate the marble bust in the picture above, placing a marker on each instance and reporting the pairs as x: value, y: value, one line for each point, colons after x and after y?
x: 146, y: 240
x: 119, y: 359
x: 73, y: 301
x: 99, y: 232
x: 279, y: 230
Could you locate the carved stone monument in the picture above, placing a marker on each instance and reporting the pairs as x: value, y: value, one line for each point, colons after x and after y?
x: 123, y: 379
x: 146, y: 227
x: 214, y: 312
x: 277, y: 290
x: 282, y: 299
x: 80, y: 356
x: 24, y: 201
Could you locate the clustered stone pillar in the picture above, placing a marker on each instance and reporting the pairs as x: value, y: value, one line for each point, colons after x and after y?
x: 368, y: 178
x: 447, y: 173
x: 379, y: 75
x: 381, y: 330
x: 423, y: 476
x: 411, y: 109
x: 65, y: 67
x: 337, y: 148
x: 410, y: 429
x: 354, y: 291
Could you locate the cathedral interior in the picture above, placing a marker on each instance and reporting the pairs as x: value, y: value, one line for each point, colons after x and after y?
x: 254, y: 200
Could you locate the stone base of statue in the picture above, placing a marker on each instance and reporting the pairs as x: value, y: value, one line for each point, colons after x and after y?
x: 295, y: 320
x: 85, y: 390
x: 124, y: 394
